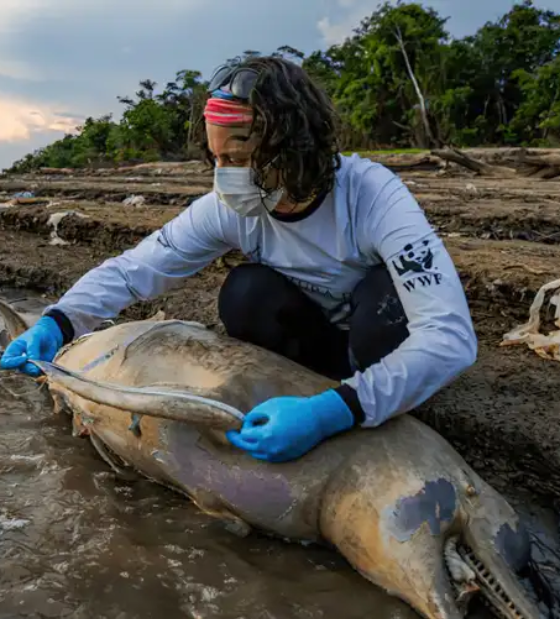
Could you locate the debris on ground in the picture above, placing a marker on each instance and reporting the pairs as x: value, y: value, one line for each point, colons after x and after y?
x: 545, y: 345
x: 54, y: 220
x: 134, y: 201
x: 24, y: 198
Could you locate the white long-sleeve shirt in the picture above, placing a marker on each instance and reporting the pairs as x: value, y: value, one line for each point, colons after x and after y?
x: 369, y: 217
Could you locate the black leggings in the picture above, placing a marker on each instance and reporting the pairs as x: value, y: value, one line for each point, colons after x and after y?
x: 259, y: 305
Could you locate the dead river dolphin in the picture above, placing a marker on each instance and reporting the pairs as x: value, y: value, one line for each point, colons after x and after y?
x: 398, y: 502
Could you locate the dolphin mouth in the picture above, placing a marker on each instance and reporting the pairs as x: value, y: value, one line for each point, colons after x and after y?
x: 471, y: 578
x: 490, y: 589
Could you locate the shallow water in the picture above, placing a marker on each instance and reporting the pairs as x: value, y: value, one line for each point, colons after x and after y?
x: 75, y: 542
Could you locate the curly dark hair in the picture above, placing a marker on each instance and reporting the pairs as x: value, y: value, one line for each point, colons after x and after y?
x: 297, y: 125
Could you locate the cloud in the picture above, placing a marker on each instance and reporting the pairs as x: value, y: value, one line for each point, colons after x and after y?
x: 83, y: 54
x: 89, y: 52
x: 464, y: 17
x: 16, y: 69
x: 19, y: 120
x: 39, y: 37
x: 10, y: 10
x: 347, y: 15
x: 336, y: 33
x: 12, y: 13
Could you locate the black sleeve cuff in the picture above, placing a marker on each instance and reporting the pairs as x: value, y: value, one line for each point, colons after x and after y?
x: 63, y: 323
x: 350, y: 397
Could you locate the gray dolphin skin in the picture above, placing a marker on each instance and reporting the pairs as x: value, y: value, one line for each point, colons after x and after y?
x: 398, y: 502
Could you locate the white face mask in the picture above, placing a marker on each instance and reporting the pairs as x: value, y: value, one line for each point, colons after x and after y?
x: 236, y: 189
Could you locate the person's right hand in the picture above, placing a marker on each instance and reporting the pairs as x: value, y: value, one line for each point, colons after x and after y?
x: 40, y: 342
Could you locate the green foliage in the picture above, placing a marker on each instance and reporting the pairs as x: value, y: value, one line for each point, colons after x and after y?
x: 153, y: 127
x: 399, y: 81
x: 537, y: 119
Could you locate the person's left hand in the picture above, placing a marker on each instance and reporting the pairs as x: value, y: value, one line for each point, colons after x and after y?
x: 286, y: 427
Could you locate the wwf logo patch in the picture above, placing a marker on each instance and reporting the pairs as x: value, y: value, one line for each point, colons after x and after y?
x: 414, y: 260
x: 415, y: 265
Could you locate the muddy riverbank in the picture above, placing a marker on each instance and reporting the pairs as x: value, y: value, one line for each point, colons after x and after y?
x: 503, y: 411
x: 502, y: 415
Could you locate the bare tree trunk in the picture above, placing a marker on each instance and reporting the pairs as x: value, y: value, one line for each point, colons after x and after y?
x: 419, y: 94
x: 550, y: 111
x: 502, y: 112
x: 191, y: 124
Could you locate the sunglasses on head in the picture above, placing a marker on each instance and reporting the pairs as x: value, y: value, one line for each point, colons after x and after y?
x: 239, y: 81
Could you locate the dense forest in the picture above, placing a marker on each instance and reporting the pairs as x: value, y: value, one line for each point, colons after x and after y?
x: 399, y: 81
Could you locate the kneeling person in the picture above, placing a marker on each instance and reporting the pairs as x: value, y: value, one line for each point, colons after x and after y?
x: 345, y: 274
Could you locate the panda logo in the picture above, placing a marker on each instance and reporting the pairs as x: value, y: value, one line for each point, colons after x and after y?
x: 414, y: 260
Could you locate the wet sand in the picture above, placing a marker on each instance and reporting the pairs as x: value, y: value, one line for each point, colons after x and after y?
x: 76, y: 542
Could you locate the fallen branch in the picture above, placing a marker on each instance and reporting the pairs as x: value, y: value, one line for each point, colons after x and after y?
x: 537, y: 272
x: 458, y: 157
x: 423, y: 163
x: 539, y: 166
x: 535, y: 166
x: 541, y: 161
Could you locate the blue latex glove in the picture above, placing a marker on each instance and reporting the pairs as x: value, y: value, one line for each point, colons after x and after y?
x: 285, y: 428
x: 40, y: 342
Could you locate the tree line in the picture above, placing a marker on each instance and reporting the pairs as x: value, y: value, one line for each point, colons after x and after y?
x: 399, y: 81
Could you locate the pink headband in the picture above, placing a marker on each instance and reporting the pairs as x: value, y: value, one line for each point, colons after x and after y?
x: 223, y: 112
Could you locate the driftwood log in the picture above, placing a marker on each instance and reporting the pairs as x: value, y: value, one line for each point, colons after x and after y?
x: 523, y: 164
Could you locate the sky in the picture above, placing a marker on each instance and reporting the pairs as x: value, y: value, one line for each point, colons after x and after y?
x: 64, y: 60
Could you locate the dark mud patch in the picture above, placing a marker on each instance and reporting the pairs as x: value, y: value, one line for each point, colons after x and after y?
x: 502, y: 416
x: 114, y: 225
x: 496, y: 209
x: 496, y: 279
x: 495, y: 219
x: 31, y: 180
x: 191, y: 169
x: 26, y: 261
x: 171, y: 194
x: 114, y: 230
x: 498, y: 228
x: 501, y: 278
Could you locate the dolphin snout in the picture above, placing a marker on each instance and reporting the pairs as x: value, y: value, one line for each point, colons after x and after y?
x: 496, y: 546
